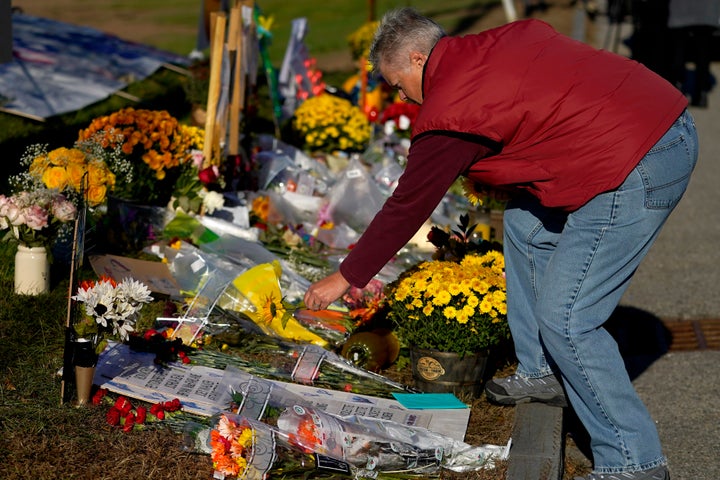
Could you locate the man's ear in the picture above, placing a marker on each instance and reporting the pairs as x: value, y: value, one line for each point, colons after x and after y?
x: 417, y: 59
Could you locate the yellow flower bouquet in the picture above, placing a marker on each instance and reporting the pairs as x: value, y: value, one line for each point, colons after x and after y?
x: 451, y: 306
x: 328, y: 123
x: 67, y: 168
x: 73, y: 172
x: 158, y: 147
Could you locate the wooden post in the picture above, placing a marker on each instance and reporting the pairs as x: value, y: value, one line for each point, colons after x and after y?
x: 235, y: 46
x: 6, y: 39
x: 212, y: 139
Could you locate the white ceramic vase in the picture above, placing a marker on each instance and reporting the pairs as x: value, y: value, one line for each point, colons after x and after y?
x: 32, y: 270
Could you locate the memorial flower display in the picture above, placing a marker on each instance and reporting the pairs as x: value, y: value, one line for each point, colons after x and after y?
x: 328, y: 123
x: 236, y: 294
x: 452, y: 306
x: 34, y: 218
x: 78, y: 171
x: 110, y: 308
x: 157, y: 145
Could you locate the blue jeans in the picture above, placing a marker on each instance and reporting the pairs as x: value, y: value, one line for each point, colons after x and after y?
x: 566, y: 273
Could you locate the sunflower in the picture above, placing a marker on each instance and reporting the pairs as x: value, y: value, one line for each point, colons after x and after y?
x: 271, y: 308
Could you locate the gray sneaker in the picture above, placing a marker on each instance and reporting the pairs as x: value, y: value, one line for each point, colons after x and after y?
x: 516, y: 389
x: 657, y: 473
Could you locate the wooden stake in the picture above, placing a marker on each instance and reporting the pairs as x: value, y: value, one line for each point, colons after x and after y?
x: 212, y: 139
x: 235, y: 45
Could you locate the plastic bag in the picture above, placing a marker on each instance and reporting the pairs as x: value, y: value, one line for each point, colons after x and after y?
x: 356, y: 198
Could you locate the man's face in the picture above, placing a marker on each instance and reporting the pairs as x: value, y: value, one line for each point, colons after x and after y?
x: 407, y: 81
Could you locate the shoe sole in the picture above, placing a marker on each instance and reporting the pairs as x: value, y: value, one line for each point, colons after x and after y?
x: 554, y: 400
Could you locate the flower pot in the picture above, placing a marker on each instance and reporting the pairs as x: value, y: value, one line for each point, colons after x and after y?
x: 84, y: 360
x: 496, y: 224
x: 83, y: 384
x: 32, y: 270
x: 436, y: 371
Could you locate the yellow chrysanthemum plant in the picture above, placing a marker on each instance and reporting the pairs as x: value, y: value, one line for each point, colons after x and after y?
x: 158, y: 147
x: 360, y: 40
x: 327, y: 123
x: 449, y: 306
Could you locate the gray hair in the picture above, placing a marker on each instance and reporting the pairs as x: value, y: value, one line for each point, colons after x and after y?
x: 400, y: 32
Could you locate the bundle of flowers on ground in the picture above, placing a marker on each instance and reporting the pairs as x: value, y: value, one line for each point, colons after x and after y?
x: 311, y: 440
x: 273, y: 313
x: 265, y: 294
x: 378, y: 442
x: 304, y: 364
x: 244, y: 448
x: 136, y: 415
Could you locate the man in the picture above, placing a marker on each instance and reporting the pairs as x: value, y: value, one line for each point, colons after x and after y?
x: 596, y: 150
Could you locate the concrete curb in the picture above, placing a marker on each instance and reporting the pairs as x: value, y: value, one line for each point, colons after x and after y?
x: 536, y: 452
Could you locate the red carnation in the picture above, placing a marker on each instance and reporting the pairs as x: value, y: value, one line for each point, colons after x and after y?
x: 123, y: 405
x: 113, y: 416
x: 149, y: 334
x: 140, y: 415
x: 156, y: 410
x: 129, y: 422
x: 172, y: 406
x: 99, y: 394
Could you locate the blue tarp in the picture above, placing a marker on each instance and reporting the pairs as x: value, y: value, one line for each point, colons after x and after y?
x: 59, y: 68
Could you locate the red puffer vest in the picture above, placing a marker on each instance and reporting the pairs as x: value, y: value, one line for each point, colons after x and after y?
x: 572, y: 121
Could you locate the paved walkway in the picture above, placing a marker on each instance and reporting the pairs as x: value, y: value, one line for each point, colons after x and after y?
x: 680, y: 280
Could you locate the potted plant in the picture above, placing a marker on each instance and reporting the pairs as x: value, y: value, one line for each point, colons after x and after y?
x: 451, y: 312
x: 163, y: 161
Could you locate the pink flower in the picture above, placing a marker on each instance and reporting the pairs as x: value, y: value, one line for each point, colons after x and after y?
x: 197, y: 158
x: 62, y: 209
x: 36, y: 217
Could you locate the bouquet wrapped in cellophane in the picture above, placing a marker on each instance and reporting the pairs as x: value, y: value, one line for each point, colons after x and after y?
x: 254, y: 297
x: 249, y: 449
x: 367, y: 440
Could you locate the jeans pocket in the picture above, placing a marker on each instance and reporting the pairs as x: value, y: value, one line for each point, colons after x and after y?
x: 665, y: 170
